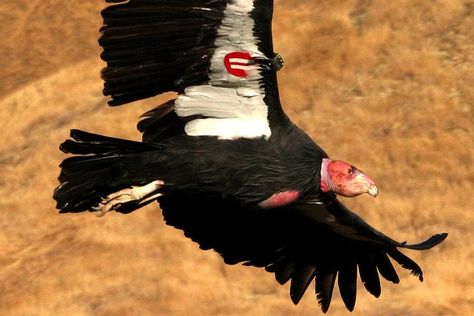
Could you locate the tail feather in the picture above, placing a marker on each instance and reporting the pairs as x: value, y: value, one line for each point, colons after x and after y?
x: 103, y: 165
x: 84, y: 143
x: 76, y: 165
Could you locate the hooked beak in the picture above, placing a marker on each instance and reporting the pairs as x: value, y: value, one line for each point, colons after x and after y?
x: 369, y: 184
x: 373, y: 190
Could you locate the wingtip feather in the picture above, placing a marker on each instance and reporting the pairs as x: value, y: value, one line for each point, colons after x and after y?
x: 300, y: 280
x: 324, y: 288
x: 406, y: 263
x: 347, y: 282
x: 368, y: 274
x: 427, y: 244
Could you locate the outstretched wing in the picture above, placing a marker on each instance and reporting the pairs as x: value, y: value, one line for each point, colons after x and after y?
x: 217, y: 54
x: 300, y: 243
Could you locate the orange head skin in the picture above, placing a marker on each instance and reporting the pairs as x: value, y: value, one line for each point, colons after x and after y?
x: 344, y: 179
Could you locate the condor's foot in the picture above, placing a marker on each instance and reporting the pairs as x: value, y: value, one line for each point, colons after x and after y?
x: 142, y: 194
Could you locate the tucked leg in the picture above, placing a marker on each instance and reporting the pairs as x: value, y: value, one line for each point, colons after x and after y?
x: 141, y: 194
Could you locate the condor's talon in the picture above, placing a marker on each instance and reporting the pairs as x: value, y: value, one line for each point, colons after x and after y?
x: 134, y: 193
x: 103, y: 208
x: 98, y: 212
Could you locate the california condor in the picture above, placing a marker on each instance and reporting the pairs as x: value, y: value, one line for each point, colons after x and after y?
x: 224, y: 161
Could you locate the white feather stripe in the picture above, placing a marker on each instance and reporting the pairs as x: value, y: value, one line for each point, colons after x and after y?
x: 248, y: 92
x: 208, y: 91
x: 227, y: 128
x: 221, y: 102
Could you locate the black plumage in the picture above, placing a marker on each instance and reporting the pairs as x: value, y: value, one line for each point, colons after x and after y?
x: 324, y: 285
x: 156, y: 46
x: 212, y: 185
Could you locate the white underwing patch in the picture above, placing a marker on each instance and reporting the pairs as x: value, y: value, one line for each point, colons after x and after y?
x: 232, y: 106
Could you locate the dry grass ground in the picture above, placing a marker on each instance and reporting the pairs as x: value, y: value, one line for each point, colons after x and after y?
x: 387, y: 85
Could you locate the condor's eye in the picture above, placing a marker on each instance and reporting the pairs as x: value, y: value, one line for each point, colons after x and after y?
x: 349, y: 171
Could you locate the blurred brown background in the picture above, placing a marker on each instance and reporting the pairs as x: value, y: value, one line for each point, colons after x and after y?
x: 387, y: 85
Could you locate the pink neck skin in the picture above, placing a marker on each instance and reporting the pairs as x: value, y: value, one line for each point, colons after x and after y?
x: 326, y: 184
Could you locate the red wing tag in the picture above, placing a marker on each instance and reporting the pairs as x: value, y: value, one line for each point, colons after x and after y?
x: 237, y: 63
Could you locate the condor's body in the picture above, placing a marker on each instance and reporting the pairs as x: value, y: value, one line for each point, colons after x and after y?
x: 223, y: 160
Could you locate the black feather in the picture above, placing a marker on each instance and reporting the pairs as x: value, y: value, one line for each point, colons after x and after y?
x: 161, y: 123
x: 103, y: 144
x: 302, y: 276
x: 152, y: 116
x: 284, y: 270
x: 406, y: 262
x: 152, y: 47
x: 324, y: 288
x: 103, y: 165
x: 368, y: 273
x: 427, y: 244
x: 385, y: 267
x: 347, y: 280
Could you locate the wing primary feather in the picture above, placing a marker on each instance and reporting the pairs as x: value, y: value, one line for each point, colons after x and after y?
x: 152, y: 116
x: 347, y: 281
x: 300, y: 280
x: 150, y: 46
x: 385, y: 267
x: 324, y: 288
x: 406, y: 263
x: 283, y: 271
x: 368, y: 274
x: 427, y: 244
